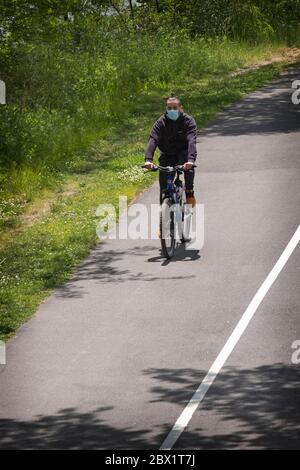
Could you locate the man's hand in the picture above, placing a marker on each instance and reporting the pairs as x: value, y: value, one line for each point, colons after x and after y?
x: 149, y: 165
x: 188, y: 165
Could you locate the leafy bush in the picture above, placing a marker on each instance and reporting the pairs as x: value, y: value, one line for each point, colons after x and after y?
x: 69, y: 81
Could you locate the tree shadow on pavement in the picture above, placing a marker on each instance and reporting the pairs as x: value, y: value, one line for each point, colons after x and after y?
x: 247, y: 408
x: 71, y: 429
x: 105, y: 266
x: 269, y: 110
x: 68, y: 429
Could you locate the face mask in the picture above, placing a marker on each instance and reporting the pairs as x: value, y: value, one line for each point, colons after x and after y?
x: 173, y: 114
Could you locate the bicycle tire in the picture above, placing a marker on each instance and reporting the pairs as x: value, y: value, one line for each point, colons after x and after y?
x: 167, y: 249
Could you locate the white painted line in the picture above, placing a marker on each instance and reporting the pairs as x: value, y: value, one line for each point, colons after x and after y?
x: 208, y: 380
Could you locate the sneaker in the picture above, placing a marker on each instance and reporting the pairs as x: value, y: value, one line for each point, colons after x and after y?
x: 191, y: 200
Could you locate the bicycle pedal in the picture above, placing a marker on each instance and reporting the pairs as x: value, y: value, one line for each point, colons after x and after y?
x: 186, y: 240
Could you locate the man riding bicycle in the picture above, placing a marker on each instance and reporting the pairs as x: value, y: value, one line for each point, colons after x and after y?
x: 175, y: 134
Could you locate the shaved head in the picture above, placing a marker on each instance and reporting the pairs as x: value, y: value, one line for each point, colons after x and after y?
x: 173, y: 100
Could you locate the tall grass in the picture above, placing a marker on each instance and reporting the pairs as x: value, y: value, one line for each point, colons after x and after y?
x: 60, y: 99
x: 68, y: 82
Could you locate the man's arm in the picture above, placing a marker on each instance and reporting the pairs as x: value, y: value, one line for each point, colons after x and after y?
x: 192, y: 140
x: 153, y: 141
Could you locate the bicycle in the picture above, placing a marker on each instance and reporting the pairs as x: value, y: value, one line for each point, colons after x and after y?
x: 175, y: 215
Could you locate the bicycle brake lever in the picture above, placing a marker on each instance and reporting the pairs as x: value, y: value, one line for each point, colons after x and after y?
x: 154, y: 168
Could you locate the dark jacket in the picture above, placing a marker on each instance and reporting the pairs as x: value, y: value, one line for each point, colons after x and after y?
x: 173, y: 137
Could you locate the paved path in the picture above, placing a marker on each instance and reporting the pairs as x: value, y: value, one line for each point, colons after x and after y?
x: 111, y: 359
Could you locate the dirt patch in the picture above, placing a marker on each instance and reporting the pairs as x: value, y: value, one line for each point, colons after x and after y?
x: 37, y: 210
x: 43, y: 207
x: 288, y: 55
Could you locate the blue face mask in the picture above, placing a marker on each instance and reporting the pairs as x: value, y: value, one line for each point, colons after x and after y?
x: 173, y: 114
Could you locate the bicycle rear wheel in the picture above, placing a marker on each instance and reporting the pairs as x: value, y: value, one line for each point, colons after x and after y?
x: 167, y: 229
x: 187, y: 213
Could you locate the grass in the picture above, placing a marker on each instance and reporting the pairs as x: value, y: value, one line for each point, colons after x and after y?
x: 42, y: 254
x: 93, y: 95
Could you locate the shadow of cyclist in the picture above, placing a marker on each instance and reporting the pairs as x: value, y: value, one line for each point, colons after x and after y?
x: 181, y: 254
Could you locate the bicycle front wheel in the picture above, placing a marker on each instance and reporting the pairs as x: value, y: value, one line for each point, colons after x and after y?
x: 167, y: 229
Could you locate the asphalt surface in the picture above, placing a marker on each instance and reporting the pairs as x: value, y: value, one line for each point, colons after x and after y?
x: 111, y: 359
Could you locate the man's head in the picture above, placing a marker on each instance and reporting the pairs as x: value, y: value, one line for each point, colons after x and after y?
x: 173, y: 107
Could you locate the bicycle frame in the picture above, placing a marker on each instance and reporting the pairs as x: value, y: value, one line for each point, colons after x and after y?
x: 172, y: 200
x: 173, y: 181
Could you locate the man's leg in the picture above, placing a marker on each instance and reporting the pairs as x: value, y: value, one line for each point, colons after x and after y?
x: 189, y: 180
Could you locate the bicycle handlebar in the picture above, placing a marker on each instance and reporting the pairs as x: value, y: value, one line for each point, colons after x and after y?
x: 168, y: 169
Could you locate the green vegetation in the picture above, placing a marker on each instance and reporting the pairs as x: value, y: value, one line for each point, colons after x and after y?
x: 82, y: 93
x: 42, y: 256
